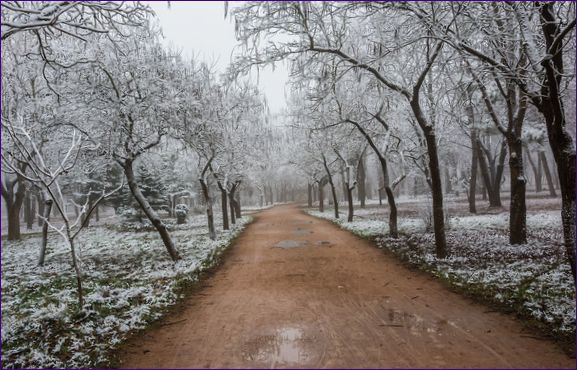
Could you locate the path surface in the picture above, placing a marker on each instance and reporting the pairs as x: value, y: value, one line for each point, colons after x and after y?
x: 296, y: 291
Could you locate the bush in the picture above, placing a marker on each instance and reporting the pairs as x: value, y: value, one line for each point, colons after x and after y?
x: 181, y: 211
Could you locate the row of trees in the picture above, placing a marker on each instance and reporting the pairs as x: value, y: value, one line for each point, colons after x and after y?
x: 412, y: 78
x: 94, y: 106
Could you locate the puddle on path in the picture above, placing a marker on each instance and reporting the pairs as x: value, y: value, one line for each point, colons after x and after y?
x: 286, y: 244
x: 289, y: 345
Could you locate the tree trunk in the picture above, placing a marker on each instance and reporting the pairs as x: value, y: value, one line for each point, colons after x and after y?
x: 231, y: 202
x: 333, y: 190
x: 77, y: 272
x: 545, y: 166
x: 14, y: 223
x: 361, y: 181
x: 321, y: 198
x: 29, y: 212
x: 40, y: 201
x: 149, y: 211
x: 47, y: 208
x: 550, y: 104
x: 517, y: 209
x: 473, y: 180
x: 309, y: 195
x: 13, y: 201
x: 209, y: 211
x: 493, y: 191
x: 350, y: 200
x: 536, y: 170
x: 237, y: 206
x: 97, y: 213
x: 393, y: 228
x: 224, y: 209
x: 437, y: 189
x: 448, y: 185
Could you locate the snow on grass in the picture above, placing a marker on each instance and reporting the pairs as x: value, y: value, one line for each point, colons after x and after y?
x: 533, y: 280
x: 128, y: 282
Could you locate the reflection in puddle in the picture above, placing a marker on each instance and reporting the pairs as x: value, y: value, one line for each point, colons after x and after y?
x: 288, y: 345
x: 290, y: 244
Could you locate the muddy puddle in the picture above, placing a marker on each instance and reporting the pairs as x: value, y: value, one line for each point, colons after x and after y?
x: 287, y: 244
x: 290, y: 345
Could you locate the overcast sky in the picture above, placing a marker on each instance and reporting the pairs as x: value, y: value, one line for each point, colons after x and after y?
x: 199, y: 28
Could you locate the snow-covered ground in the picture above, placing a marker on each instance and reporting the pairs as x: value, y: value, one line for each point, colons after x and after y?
x: 533, y: 280
x: 128, y: 281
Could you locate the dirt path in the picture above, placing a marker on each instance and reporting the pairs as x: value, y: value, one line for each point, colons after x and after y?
x: 324, y: 298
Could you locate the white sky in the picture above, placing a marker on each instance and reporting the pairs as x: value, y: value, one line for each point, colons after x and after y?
x: 199, y: 28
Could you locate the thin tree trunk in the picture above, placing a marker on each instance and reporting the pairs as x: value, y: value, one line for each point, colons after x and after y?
x: 209, y: 211
x: 333, y: 190
x: 494, y: 196
x: 474, y: 165
x: 536, y: 170
x: 237, y: 205
x: 28, y: 213
x: 321, y: 198
x: 361, y: 181
x: 309, y: 195
x: 97, y: 213
x: 77, y: 271
x: 149, y: 211
x: 224, y: 209
x: 437, y: 189
x: 350, y: 200
x: 448, y: 185
x: 231, y: 206
x: 40, y: 201
x: 44, y: 244
x: 548, y: 177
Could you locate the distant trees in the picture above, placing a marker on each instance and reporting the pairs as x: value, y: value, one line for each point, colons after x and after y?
x: 471, y: 67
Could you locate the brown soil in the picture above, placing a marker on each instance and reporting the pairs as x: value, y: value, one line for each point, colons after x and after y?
x: 296, y: 291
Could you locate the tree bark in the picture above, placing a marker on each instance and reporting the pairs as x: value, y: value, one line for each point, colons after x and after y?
x: 40, y: 201
x: 149, y: 211
x: 518, y: 208
x: 29, y: 211
x: 333, y: 190
x: 493, y: 190
x: 13, y: 200
x: 237, y: 205
x: 549, y: 103
x: 209, y: 211
x: 548, y: 177
x: 437, y: 189
x: 448, y: 185
x: 224, y: 208
x: 321, y: 198
x: 44, y: 244
x: 361, y: 181
x: 309, y: 195
x: 350, y: 201
x: 474, y: 165
x: 536, y: 170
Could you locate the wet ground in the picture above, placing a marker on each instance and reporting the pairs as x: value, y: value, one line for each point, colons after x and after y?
x: 296, y: 291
